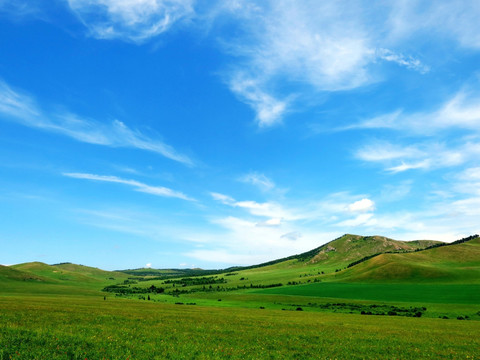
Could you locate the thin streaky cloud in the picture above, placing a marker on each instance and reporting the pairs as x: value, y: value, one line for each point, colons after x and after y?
x: 23, y: 109
x: 130, y: 20
x: 259, y: 180
x: 408, y: 61
x: 461, y: 110
x: 424, y: 156
x: 137, y: 185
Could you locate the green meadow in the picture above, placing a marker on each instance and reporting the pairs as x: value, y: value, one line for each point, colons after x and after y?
x: 72, y: 327
x: 343, y: 300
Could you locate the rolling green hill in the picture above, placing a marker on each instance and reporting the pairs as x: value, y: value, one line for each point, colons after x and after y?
x: 300, y: 305
x: 375, y: 259
x: 8, y: 273
x: 459, y: 263
x: 333, y: 255
x: 65, y: 278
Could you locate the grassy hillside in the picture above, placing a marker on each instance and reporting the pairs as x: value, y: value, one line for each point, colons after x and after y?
x: 58, y: 311
x: 308, y: 274
x: 459, y: 263
x: 8, y: 273
x: 66, y: 278
x: 333, y: 255
x: 305, y: 272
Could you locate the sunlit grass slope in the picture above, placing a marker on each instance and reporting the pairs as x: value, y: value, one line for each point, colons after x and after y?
x: 459, y: 263
x: 66, y: 278
x: 324, y: 260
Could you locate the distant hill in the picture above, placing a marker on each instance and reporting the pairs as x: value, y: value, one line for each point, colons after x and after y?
x: 350, y: 247
x: 459, y: 262
x: 8, y: 273
x: 346, y: 249
x: 65, y: 279
x: 350, y: 258
x: 66, y: 272
x: 168, y: 273
x: 337, y: 253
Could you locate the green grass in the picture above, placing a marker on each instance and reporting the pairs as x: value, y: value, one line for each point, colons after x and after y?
x: 58, y: 312
x: 417, y: 293
x: 458, y: 263
x: 89, y: 328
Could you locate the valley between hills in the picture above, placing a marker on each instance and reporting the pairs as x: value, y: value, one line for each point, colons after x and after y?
x: 355, y: 292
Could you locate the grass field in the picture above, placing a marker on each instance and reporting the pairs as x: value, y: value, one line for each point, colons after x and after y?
x: 390, y: 306
x: 418, y: 293
x: 70, y: 327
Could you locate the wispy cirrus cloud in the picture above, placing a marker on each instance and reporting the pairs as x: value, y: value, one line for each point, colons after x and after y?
x: 259, y: 180
x: 402, y: 60
x: 427, y: 155
x: 130, y: 20
x: 23, y: 109
x: 273, y: 210
x: 21, y: 8
x: 454, y: 20
x: 285, y: 51
x: 282, y: 51
x: 138, y: 186
x: 244, y: 242
x: 459, y: 111
x: 286, y: 42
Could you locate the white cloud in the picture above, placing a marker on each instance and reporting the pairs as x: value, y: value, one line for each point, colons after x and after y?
x: 359, y: 220
x: 391, y: 192
x: 138, y: 186
x: 260, y: 180
x: 269, y: 110
x: 461, y: 111
x: 21, y: 8
x: 242, y: 242
x: 293, y: 236
x: 270, y: 222
x: 425, y: 164
x: 425, y: 156
x: 267, y: 209
x: 402, y: 60
x: 456, y: 20
x: 385, y: 151
x: 148, y: 265
x: 224, y: 199
x: 363, y: 205
x: 471, y: 174
x: 23, y: 109
x: 227, y: 257
x: 130, y: 20
x: 326, y: 49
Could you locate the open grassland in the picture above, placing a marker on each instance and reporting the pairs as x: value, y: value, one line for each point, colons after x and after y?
x: 427, y: 293
x: 404, y: 305
x: 70, y: 327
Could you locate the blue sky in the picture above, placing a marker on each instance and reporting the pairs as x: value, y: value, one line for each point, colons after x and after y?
x: 183, y: 133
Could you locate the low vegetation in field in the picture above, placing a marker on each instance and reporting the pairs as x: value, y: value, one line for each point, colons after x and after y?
x: 91, y: 328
